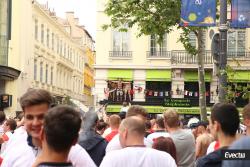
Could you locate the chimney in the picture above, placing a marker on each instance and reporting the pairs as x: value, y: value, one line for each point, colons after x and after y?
x: 70, y: 15
x: 76, y: 21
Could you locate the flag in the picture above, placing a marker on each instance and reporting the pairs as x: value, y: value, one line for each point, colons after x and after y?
x: 198, y: 13
x: 240, y: 14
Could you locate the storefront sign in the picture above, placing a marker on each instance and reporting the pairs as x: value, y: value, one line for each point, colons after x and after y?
x: 177, y: 102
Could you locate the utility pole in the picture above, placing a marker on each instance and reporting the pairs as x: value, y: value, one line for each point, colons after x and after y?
x: 223, y: 51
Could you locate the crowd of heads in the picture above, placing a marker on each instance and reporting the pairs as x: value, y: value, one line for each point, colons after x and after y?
x: 58, y: 127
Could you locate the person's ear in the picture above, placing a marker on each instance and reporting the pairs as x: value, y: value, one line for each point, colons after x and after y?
x: 42, y: 134
x: 246, y: 122
x: 217, y: 126
x: 125, y: 133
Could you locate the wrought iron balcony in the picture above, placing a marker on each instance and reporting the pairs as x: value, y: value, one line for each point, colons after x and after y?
x: 158, y: 54
x: 120, y: 54
x: 183, y: 57
x: 239, y: 54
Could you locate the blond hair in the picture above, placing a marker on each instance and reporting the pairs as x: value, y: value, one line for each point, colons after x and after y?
x: 171, y: 118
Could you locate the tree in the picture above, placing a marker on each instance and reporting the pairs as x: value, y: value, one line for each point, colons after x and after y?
x: 159, y: 17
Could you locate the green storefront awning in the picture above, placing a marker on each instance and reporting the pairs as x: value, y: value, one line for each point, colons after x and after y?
x: 192, y: 76
x: 158, y: 75
x: 126, y: 75
x: 239, y: 76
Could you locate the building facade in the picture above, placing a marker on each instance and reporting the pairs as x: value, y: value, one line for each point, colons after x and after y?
x: 141, y: 71
x: 86, y: 42
x: 48, y: 54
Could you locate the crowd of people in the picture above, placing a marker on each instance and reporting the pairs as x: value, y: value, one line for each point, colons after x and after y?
x: 48, y: 135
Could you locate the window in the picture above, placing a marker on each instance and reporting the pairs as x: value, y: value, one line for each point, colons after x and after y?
x: 72, y: 55
x: 48, y: 38
x: 52, y: 41
x: 236, y: 42
x: 46, y: 73
x: 64, y: 53
x: 35, y: 70
x: 156, y: 48
x: 61, y: 47
x: 121, y: 41
x: 41, y: 72
x: 51, y: 76
x: 192, y: 39
x: 42, y: 33
x: 68, y: 51
x: 36, y: 29
x: 57, y: 44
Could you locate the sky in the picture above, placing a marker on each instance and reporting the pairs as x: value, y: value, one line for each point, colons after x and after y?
x: 85, y: 10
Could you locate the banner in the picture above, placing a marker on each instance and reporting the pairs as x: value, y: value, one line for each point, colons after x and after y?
x: 198, y: 13
x: 240, y: 14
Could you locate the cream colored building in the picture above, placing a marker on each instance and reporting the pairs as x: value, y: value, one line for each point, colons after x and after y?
x: 48, y: 51
x: 161, y: 72
x: 81, y: 36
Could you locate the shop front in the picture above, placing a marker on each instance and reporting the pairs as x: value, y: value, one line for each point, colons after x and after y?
x: 158, y: 86
x: 191, y: 87
x: 239, y: 87
x: 119, y: 86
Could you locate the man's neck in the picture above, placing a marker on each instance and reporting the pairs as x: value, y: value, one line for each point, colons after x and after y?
x: 48, y: 155
x: 160, y: 130
x: 226, y: 141
x: 135, y: 142
x: 114, y: 128
x: 174, y: 129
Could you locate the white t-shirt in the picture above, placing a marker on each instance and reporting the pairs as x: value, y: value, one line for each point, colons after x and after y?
x: 6, y: 138
x: 115, y: 144
x: 138, y: 157
x: 155, y: 135
x: 18, y: 136
x: 22, y: 155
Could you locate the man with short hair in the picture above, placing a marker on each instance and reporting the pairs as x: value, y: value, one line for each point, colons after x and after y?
x: 203, y: 140
x: 8, y: 128
x: 184, y: 140
x: 35, y: 104
x: 134, y: 110
x: 114, y: 123
x: 223, y: 125
x: 134, y: 152
x: 59, y: 133
x: 159, y: 131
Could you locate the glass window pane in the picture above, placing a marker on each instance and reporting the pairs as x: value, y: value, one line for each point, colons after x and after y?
x: 192, y: 39
x: 241, y: 41
x: 232, y: 42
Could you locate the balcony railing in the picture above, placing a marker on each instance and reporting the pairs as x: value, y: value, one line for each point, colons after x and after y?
x: 239, y: 54
x: 120, y: 54
x: 179, y: 56
x: 158, y: 54
x: 183, y: 57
